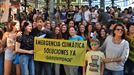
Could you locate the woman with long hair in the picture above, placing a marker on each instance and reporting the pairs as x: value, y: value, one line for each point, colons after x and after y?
x: 81, y: 31
x: 102, y: 35
x: 8, y: 40
x: 89, y: 34
x: 24, y: 46
x: 64, y: 31
x: 57, y: 35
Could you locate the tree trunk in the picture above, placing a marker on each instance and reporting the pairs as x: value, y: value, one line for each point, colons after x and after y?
x: 112, y: 2
x: 102, y: 3
x: 25, y: 5
x: 90, y: 2
x: 36, y: 3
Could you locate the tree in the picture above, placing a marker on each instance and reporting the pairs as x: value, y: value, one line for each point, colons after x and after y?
x: 36, y: 3
x: 112, y: 2
x: 47, y: 3
x: 102, y: 3
x: 68, y: 3
x: 25, y: 5
x: 90, y: 2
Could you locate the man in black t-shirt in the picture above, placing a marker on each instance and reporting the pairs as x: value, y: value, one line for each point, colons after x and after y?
x: 70, y: 14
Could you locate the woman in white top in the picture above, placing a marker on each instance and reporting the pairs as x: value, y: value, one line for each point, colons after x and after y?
x: 116, y: 51
x: 9, y: 40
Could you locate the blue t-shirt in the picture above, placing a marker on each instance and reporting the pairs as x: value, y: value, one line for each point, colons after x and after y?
x: 77, y: 17
x: 79, y: 38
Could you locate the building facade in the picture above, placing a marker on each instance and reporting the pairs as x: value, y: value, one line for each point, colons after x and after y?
x: 118, y: 3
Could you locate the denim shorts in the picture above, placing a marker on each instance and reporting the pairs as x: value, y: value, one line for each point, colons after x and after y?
x: 9, y: 54
x: 16, y: 58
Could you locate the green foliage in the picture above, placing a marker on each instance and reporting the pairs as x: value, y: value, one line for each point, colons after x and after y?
x: 2, y: 25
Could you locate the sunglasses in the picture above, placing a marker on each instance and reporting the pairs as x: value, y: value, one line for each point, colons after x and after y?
x: 119, y: 29
x: 93, y: 44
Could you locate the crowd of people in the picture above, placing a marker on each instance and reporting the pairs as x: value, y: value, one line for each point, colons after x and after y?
x: 109, y: 35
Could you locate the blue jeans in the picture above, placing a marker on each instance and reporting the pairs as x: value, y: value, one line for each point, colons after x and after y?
x: 27, y: 64
x: 110, y: 72
x: 1, y: 63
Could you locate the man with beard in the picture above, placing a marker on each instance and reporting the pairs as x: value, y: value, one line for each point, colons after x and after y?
x: 42, y: 68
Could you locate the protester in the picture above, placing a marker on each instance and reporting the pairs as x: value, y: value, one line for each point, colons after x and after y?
x: 64, y: 32
x: 24, y: 46
x: 89, y: 23
x: 77, y: 16
x: 130, y: 62
x: 116, y: 50
x: 63, y: 14
x: 82, y: 32
x: 57, y: 35
x: 8, y: 40
x: 87, y: 14
x: 93, y: 60
x: 70, y: 13
x: 72, y: 70
x: 102, y: 35
x: 42, y: 68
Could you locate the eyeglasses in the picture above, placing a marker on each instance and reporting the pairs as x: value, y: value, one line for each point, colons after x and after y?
x: 119, y: 29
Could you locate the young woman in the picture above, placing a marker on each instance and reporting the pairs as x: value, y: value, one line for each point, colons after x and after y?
x: 24, y: 46
x: 89, y: 34
x: 71, y: 24
x: 8, y: 40
x: 57, y: 35
x: 72, y: 70
x: 65, y: 36
x: 102, y: 35
x: 116, y: 50
x: 89, y: 30
x: 82, y: 32
x: 98, y: 26
x: 64, y: 32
